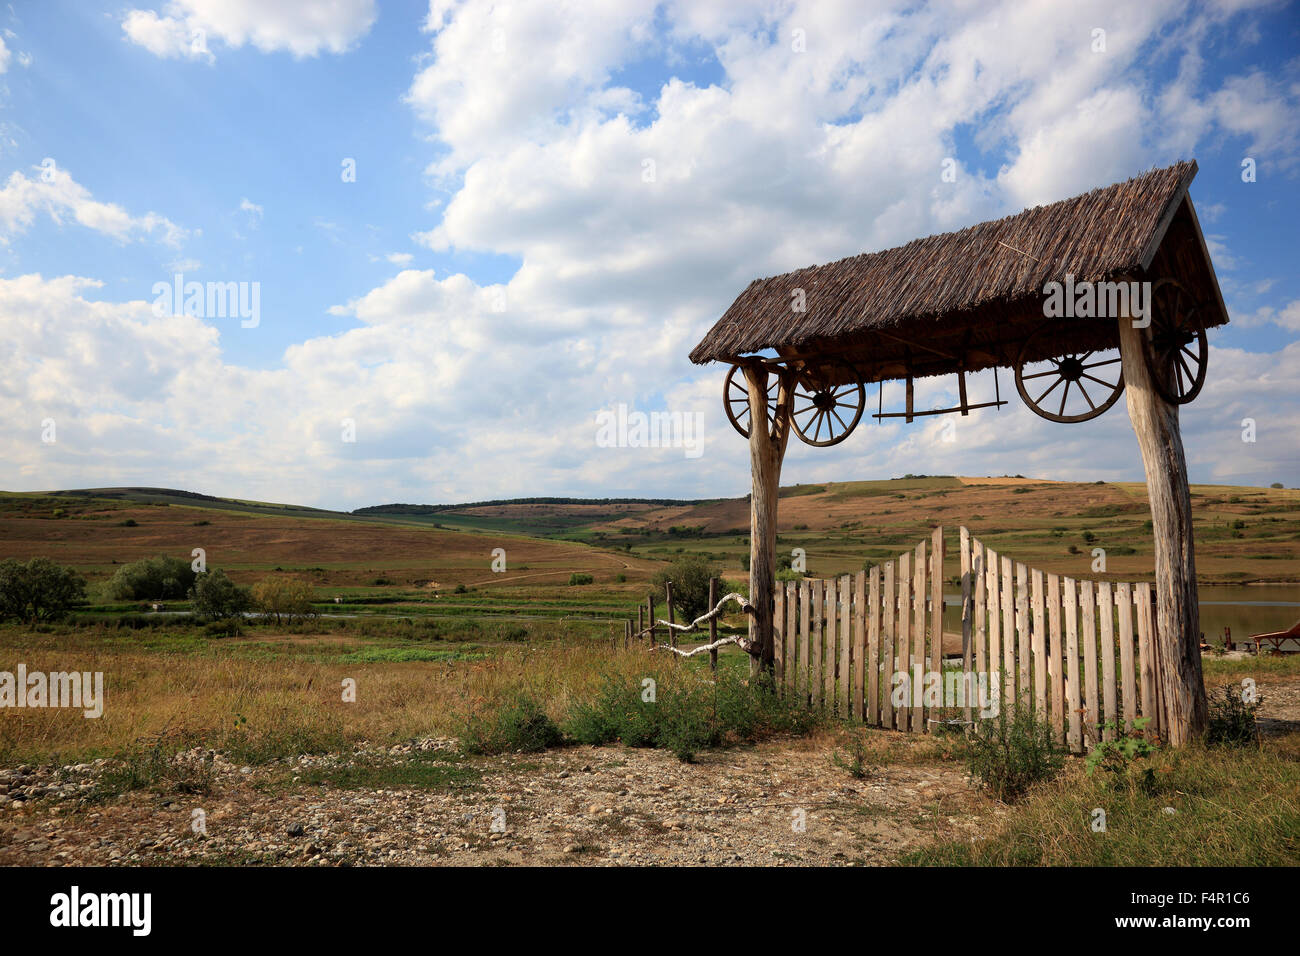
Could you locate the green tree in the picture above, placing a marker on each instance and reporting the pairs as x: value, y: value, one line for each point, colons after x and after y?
x: 284, y: 597
x: 39, y: 590
x: 690, y: 580
x: 216, y: 597
x: 152, y: 579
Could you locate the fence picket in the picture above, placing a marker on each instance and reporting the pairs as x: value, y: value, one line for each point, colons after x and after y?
x: 859, y: 652
x: 872, y: 703
x: 888, y: 628
x: 805, y: 614
x: 845, y: 675
x: 936, y: 602
x: 778, y: 635
x: 791, y: 636
x: 1038, y: 642
x: 1145, y: 658
x: 903, y: 665
x: 1055, y: 657
x: 1106, y: 619
x: 996, y: 677
x: 1023, y: 692
x: 1087, y: 592
x: 967, y: 651
x: 1072, y: 695
x: 818, y: 621
x: 978, y: 582
x: 917, y: 659
x: 1127, y: 678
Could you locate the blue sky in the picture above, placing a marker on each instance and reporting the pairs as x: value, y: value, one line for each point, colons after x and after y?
x: 501, y: 271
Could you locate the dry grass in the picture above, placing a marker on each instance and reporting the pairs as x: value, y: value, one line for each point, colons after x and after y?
x: 287, y: 690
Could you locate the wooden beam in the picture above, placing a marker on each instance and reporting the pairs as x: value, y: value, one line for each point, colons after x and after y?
x: 766, y: 450
x: 1175, y: 642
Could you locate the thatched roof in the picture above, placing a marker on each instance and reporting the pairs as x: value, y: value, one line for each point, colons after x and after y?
x: 969, y: 299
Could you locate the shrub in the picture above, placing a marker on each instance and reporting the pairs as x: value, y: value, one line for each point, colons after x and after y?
x: 519, y: 725
x: 685, y: 714
x: 690, y: 580
x: 152, y: 579
x: 284, y: 598
x: 1010, y: 753
x: 579, y: 578
x: 1127, y: 747
x: 39, y: 590
x: 1233, y: 721
x: 215, y: 597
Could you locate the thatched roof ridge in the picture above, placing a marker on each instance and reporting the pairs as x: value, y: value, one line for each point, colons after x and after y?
x: 1102, y: 234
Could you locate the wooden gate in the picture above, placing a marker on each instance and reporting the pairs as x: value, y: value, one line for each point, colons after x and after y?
x: 871, y: 646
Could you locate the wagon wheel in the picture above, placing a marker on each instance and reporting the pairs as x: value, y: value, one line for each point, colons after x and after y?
x: 1056, y: 380
x: 1176, y: 353
x: 827, y: 407
x: 735, y: 399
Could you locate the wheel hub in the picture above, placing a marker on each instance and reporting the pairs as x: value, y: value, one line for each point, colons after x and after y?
x: 1071, y: 369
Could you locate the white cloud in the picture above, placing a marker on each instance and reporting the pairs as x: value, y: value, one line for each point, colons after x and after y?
x: 462, y: 390
x: 54, y: 192
x: 303, y: 29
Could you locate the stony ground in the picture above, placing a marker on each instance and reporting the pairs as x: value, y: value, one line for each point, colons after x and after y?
x: 780, y: 803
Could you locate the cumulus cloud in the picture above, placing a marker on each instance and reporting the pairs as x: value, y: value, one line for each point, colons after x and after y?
x: 637, y: 212
x: 54, y: 192
x: 187, y: 27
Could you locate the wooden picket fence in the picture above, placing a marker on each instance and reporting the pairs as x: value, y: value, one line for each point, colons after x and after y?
x: 871, y: 646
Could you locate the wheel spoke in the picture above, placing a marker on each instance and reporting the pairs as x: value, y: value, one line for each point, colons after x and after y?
x: 820, y: 416
x: 1110, y: 385
x: 1039, y: 399
x: 1050, y: 371
x: 843, y: 424
x: 1086, y: 397
x: 1106, y: 362
x: 1064, y: 395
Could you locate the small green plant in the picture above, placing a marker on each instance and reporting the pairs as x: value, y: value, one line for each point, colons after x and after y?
x: 855, y: 761
x: 1010, y: 753
x: 577, y: 577
x: 1126, y: 747
x: 519, y: 725
x: 1233, y: 721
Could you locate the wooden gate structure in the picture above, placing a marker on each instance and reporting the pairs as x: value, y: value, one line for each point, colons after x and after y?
x: 803, y: 345
x: 871, y: 646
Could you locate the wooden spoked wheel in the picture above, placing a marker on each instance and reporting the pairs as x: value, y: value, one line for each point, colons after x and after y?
x: 1176, y: 351
x: 735, y: 400
x: 1073, y: 387
x: 827, y: 404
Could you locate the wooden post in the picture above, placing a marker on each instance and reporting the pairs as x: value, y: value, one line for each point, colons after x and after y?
x: 713, y: 623
x: 766, y: 449
x: 668, y: 599
x: 650, y: 610
x: 1176, y: 641
x: 640, y: 621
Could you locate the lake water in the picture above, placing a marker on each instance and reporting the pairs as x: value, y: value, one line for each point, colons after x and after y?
x: 1247, y: 609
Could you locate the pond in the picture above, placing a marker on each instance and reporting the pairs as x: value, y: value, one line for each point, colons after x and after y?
x: 1245, y: 608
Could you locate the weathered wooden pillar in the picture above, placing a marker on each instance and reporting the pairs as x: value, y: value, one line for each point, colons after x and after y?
x: 766, y: 450
x: 1176, y: 642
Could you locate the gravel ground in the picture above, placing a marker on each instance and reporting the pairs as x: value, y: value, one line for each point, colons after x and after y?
x: 578, y: 806
x: 779, y: 803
